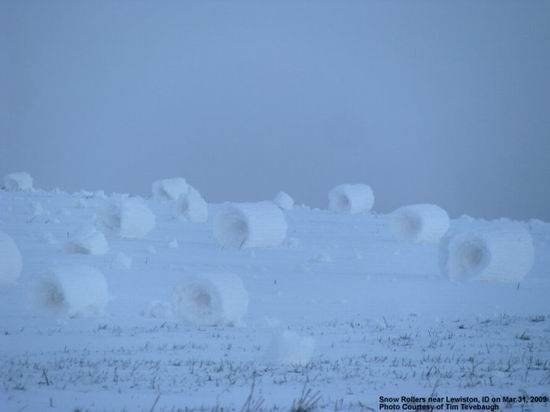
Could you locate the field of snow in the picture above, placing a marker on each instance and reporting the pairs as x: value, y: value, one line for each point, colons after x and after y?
x: 339, y: 314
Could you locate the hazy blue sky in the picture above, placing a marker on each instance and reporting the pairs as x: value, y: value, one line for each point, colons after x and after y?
x: 427, y: 101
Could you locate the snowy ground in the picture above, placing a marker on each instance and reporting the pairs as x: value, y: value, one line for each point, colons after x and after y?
x: 384, y: 321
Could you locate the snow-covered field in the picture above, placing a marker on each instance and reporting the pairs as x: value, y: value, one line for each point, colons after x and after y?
x: 339, y: 314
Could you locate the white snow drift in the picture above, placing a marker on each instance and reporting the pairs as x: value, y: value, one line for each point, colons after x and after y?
x: 129, y: 217
x: 211, y: 299
x: 19, y: 181
x: 170, y: 189
x: 422, y: 223
x: 10, y: 260
x: 250, y: 225
x: 351, y: 198
x: 192, y: 206
x: 284, y: 201
x: 89, y: 241
x: 501, y: 251
x: 72, y: 291
x: 289, y: 348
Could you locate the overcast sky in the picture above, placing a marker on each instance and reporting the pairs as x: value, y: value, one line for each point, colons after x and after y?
x: 445, y: 102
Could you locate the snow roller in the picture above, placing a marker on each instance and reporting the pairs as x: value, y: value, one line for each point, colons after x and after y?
x: 421, y: 223
x: 211, y: 299
x: 250, y: 225
x: 351, y: 198
x: 71, y: 291
x: 501, y: 251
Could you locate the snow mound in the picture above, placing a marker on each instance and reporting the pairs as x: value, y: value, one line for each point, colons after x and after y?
x: 129, y: 217
x: 192, y: 206
x: 170, y: 189
x: 17, y: 182
x: 501, y: 251
x: 421, y: 223
x: 250, y: 225
x: 11, y: 261
x: 284, y: 201
x: 289, y: 348
x: 89, y: 241
x: 72, y: 291
x: 351, y: 198
x: 211, y: 299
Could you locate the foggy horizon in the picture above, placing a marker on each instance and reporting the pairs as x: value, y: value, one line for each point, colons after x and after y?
x: 427, y: 102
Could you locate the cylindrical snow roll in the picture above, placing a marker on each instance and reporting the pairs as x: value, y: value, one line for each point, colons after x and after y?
x: 72, y: 291
x: 19, y: 181
x: 284, y: 201
x: 89, y: 241
x: 129, y: 217
x: 170, y: 189
x: 502, y: 252
x: 259, y: 224
x: 211, y: 299
x: 192, y: 206
x: 422, y: 223
x: 351, y: 198
x: 11, y: 261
